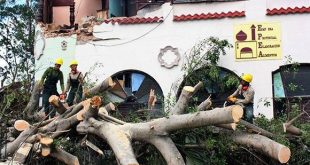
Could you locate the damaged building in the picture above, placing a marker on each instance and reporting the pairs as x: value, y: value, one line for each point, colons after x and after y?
x: 143, y: 44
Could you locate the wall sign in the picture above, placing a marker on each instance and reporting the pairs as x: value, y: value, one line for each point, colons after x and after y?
x: 257, y: 41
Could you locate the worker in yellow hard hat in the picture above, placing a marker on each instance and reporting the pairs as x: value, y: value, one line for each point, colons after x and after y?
x: 244, y: 96
x: 74, y: 84
x: 49, y: 82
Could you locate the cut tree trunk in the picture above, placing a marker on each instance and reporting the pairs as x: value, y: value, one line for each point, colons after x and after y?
x: 92, y: 146
x: 119, y: 141
x: 291, y: 129
x: 10, y: 148
x: 256, y: 128
x: 107, y: 108
x: 64, y: 156
x: 267, y: 146
x: 105, y: 85
x: 21, y: 125
x: 84, y: 117
x: 288, y: 127
x: 205, y: 104
x: 22, y: 153
x: 119, y: 136
x: 152, y: 99
x: 54, y: 101
x: 186, y: 94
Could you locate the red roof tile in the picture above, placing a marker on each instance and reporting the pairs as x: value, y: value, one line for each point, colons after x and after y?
x: 204, y: 16
x: 288, y: 10
x: 134, y: 20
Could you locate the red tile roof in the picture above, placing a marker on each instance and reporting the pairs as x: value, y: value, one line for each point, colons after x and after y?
x: 134, y: 20
x: 204, y: 16
x: 288, y: 10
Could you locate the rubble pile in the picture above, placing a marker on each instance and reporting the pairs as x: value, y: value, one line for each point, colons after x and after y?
x: 84, y: 30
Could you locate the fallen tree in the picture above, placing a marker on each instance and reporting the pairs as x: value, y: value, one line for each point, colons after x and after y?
x: 91, y: 117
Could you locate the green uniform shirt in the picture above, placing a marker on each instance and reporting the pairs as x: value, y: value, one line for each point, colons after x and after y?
x: 57, y: 73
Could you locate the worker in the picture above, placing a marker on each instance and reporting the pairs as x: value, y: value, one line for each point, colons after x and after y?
x: 244, y: 96
x: 49, y: 83
x: 74, y: 84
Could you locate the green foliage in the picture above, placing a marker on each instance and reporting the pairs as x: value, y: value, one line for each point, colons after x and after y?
x: 169, y: 102
x: 149, y: 155
x: 201, y: 65
x: 202, y: 146
x: 16, y: 56
x: 91, y: 78
x: 206, y: 53
x: 17, y: 28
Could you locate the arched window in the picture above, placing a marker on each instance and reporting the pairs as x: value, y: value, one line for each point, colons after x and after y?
x: 291, y: 86
x: 132, y: 89
x: 218, y: 82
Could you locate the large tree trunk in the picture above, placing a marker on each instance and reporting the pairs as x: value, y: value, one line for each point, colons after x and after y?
x: 263, y: 144
x: 119, y: 141
x: 33, y: 104
x: 119, y: 136
x: 88, y: 118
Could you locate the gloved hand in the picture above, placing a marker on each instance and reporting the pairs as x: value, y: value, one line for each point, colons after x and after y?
x: 231, y: 99
x: 63, y: 96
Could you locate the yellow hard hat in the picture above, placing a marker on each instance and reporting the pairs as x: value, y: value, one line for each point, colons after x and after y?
x: 73, y: 62
x: 59, y: 61
x: 247, y: 77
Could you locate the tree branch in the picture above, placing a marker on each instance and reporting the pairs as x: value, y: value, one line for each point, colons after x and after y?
x: 183, y: 100
x: 168, y: 150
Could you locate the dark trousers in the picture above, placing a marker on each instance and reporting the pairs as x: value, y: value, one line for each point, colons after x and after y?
x: 248, y: 112
x: 71, y: 96
x: 47, y: 93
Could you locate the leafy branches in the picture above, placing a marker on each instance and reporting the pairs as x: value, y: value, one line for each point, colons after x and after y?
x: 16, y: 41
x: 206, y: 53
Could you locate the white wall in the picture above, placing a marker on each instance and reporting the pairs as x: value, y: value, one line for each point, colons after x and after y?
x: 142, y: 53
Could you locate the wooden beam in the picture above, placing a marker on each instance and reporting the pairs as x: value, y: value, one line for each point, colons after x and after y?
x: 62, y: 2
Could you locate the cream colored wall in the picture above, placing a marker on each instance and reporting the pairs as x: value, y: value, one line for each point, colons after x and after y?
x: 131, y: 52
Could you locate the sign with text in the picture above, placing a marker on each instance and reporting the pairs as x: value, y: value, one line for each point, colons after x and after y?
x: 257, y: 41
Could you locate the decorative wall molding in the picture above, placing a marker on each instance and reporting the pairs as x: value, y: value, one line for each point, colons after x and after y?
x: 134, y: 20
x: 167, y: 61
x: 288, y: 10
x: 206, y: 16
